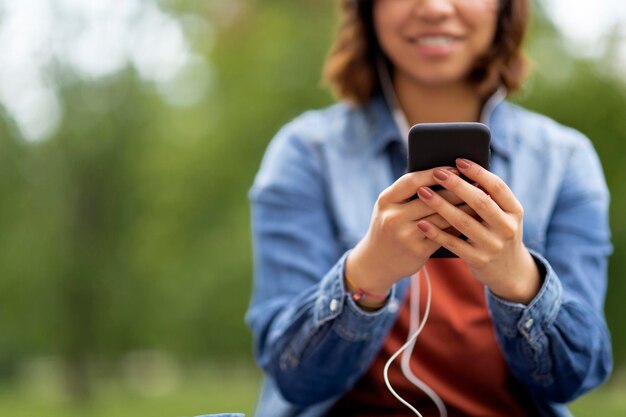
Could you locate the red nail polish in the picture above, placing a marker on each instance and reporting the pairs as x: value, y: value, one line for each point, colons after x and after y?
x: 463, y: 163
x: 441, y: 174
x: 425, y: 193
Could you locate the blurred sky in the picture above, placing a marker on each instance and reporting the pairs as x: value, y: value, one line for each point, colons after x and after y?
x: 88, y: 40
x: 586, y: 23
x: 93, y: 39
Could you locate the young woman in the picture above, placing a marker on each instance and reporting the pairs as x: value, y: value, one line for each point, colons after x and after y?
x: 342, y: 251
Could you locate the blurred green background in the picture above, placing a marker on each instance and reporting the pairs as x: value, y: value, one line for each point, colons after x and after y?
x: 129, y: 135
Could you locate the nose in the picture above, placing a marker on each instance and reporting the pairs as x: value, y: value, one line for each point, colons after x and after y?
x: 433, y: 10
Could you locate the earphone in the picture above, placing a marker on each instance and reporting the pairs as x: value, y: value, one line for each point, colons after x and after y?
x: 415, y: 323
x: 416, y: 326
x: 410, y: 343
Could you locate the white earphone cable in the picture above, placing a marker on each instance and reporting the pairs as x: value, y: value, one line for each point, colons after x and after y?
x: 415, y: 325
x: 409, y: 342
x: 406, y: 367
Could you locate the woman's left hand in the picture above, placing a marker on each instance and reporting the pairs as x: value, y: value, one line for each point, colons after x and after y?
x: 494, y: 251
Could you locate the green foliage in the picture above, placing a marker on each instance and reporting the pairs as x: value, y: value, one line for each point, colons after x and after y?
x: 128, y: 229
x: 589, y: 95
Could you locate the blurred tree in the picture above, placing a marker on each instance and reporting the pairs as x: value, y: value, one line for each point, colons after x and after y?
x: 588, y: 95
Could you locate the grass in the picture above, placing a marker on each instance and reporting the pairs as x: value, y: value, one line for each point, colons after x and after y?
x: 212, y: 389
x: 205, y: 390
x: 607, y: 401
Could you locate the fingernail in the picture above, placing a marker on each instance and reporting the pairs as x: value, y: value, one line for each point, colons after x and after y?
x: 425, y: 193
x: 463, y: 163
x: 441, y: 174
x: 423, y: 226
x: 452, y: 170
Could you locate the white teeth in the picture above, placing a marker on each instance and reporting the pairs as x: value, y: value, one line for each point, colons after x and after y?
x: 435, y: 40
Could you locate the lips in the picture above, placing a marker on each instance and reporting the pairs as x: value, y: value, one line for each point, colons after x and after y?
x: 435, y: 44
x: 434, y: 40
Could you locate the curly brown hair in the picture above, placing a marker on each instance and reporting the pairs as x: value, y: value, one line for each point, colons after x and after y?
x: 350, y: 68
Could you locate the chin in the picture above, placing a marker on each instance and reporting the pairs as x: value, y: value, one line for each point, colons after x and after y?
x: 429, y: 75
x: 438, y: 79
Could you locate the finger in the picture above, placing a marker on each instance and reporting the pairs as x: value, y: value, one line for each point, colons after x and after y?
x: 482, y: 203
x: 492, y: 184
x: 442, y: 223
x: 406, y: 186
x: 450, y: 197
x: 452, y: 231
x: 427, y: 246
x: 458, y: 246
x: 457, y: 218
x: 416, y: 209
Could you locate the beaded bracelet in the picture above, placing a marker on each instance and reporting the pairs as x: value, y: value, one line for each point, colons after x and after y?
x: 360, y: 293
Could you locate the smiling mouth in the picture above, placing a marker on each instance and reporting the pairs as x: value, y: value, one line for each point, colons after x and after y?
x: 434, y: 40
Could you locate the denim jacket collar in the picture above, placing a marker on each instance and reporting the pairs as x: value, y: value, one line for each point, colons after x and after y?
x: 383, y: 129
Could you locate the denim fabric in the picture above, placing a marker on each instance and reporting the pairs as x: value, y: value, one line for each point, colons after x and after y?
x: 312, y: 201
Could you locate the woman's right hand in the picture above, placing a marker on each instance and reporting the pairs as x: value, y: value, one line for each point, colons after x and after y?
x: 393, y: 246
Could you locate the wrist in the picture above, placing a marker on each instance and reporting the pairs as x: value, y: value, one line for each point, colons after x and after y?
x: 359, y: 293
x: 365, y: 275
x: 364, y: 298
x: 526, y: 284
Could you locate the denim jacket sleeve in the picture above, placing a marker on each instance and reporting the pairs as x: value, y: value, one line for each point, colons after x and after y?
x: 309, y: 335
x: 559, y: 346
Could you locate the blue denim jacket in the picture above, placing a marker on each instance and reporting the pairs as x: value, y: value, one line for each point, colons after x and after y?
x: 312, y: 201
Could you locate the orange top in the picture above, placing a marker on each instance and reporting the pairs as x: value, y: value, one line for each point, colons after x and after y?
x: 457, y: 355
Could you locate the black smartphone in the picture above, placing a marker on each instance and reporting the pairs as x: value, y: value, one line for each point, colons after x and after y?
x: 439, y: 144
